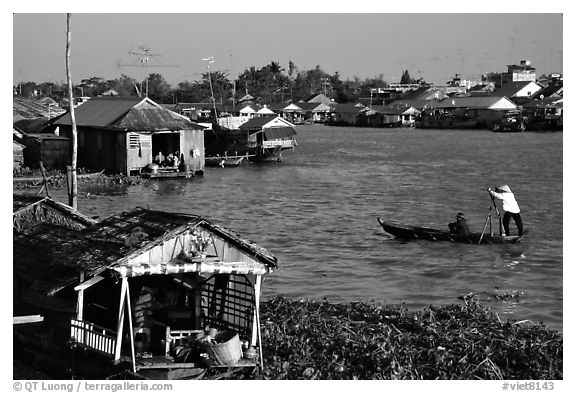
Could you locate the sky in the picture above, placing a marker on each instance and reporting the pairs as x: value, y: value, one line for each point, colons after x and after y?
x: 431, y: 45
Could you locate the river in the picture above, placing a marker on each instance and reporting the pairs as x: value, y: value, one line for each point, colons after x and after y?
x: 316, y: 211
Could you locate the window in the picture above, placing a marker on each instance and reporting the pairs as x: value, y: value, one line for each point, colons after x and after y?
x: 136, y: 141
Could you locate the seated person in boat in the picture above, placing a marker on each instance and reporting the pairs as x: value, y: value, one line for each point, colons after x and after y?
x: 459, y: 227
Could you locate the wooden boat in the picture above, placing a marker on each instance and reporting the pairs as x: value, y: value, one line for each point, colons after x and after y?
x: 407, y: 232
x: 225, y: 161
x: 510, y: 124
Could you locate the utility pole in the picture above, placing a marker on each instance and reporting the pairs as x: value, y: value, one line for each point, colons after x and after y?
x: 72, y: 181
x: 209, y: 61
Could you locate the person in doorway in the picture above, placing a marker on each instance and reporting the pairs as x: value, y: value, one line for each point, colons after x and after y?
x: 460, y: 226
x: 510, y: 207
x: 159, y: 158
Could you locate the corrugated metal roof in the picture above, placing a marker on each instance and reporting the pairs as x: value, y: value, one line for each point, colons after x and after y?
x: 348, y: 108
x: 472, y: 102
x: 29, y: 109
x: 100, y: 111
x: 417, y: 104
x: 512, y: 88
x: 308, y: 106
x: 155, y: 119
x: 128, y: 113
x: 257, y: 122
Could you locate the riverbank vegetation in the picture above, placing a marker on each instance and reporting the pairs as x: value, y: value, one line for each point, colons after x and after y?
x: 304, y: 339
x: 33, y: 179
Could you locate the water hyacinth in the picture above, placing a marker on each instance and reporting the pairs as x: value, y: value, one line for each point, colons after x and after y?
x: 319, y: 340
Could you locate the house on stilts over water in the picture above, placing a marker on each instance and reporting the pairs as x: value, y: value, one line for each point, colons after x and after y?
x: 143, y: 293
x: 261, y: 138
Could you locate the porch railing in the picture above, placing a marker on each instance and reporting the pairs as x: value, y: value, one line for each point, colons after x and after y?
x: 284, y: 143
x: 93, y: 336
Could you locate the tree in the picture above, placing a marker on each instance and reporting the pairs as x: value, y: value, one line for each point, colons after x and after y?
x: 158, y: 88
x: 406, y: 79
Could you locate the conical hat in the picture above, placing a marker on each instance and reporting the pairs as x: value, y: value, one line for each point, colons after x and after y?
x: 504, y: 188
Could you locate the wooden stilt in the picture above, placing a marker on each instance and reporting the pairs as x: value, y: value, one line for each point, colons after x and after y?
x: 80, y: 305
x: 257, y: 300
x: 130, y: 326
x: 120, y: 319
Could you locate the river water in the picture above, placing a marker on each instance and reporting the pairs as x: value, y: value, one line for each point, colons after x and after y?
x: 316, y: 211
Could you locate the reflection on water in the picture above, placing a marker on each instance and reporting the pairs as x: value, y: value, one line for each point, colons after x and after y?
x: 317, y: 210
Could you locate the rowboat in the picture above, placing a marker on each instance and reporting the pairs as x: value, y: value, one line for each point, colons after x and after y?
x: 225, y: 161
x: 407, y: 232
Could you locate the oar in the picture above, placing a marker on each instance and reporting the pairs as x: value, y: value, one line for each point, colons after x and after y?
x: 486, y: 224
x: 497, y: 212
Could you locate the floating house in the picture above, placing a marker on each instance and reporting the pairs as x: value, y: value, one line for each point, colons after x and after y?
x: 30, y: 211
x: 52, y: 150
x: 262, y: 138
x: 268, y: 137
x: 124, y: 134
x: 17, y: 155
x: 134, y: 292
x: 388, y: 116
x: 346, y: 114
x: 465, y: 112
x: 544, y: 114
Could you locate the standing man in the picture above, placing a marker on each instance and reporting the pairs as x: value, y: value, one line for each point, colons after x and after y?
x: 510, y: 206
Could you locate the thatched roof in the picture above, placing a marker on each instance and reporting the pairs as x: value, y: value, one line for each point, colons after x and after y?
x: 50, y: 257
x: 32, y: 210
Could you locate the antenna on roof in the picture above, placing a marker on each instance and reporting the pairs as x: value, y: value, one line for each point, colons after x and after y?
x: 141, y: 59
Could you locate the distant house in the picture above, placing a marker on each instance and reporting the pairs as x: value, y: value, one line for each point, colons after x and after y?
x: 554, y: 90
x: 318, y: 99
x: 419, y: 105
x: 424, y: 93
x: 293, y: 113
x: 17, y: 155
x: 519, y: 73
x: 544, y: 114
x: 518, y: 90
x: 33, y: 109
x: 387, y: 116
x: 484, y: 111
x: 346, y: 114
x: 50, y: 149
x: 265, y: 111
x: 268, y: 136
x: 247, y: 110
x: 30, y: 211
x: 247, y: 98
x: 110, y: 92
x: 123, y: 134
x: 314, y: 112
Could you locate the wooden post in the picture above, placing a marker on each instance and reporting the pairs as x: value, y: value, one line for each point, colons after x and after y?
x: 80, y: 306
x: 130, y: 326
x: 44, y: 181
x: 73, y: 195
x: 197, y: 295
x: 120, y: 319
x: 257, y: 286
